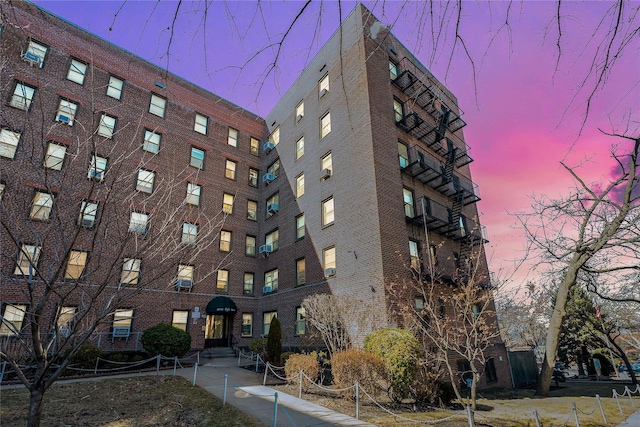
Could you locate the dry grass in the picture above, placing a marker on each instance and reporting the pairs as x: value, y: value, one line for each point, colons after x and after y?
x: 497, y: 408
x: 125, y: 402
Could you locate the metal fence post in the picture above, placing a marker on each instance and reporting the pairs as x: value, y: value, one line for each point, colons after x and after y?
x: 266, y: 369
x: 604, y: 417
x: 95, y: 370
x: 175, y: 364
x: 275, y: 409
x: 626, y: 390
x: 300, y: 386
x: 158, y: 365
x: 470, y: 415
x: 195, y: 369
x: 575, y: 413
x: 535, y: 416
x: 4, y: 366
x: 357, y: 400
x: 224, y: 393
x: 615, y: 396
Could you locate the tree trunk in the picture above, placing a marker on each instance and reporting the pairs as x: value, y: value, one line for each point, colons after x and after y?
x: 555, y: 323
x: 36, y: 396
x: 625, y: 358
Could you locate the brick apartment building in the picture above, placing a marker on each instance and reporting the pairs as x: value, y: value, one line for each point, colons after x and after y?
x: 202, y: 214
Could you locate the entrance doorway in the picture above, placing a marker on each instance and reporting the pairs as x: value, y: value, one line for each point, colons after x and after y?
x: 219, y: 322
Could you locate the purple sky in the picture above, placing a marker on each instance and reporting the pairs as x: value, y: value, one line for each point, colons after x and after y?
x: 521, y: 119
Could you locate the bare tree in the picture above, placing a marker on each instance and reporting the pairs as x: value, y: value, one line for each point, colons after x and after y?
x: 594, y: 230
x: 328, y: 317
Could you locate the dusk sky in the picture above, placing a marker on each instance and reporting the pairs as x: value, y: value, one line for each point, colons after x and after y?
x: 521, y: 120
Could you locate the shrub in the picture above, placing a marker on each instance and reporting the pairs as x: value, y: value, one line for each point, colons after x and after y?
x: 285, y: 356
x: 401, y: 353
x: 258, y: 345
x: 274, y: 342
x: 429, y: 385
x: 166, y: 340
x: 353, y: 365
x: 307, y: 363
x: 85, y: 357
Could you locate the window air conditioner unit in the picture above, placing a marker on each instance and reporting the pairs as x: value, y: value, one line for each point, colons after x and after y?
x: 326, y: 173
x: 121, y: 331
x: 299, y: 117
x: 87, y: 223
x: 265, y: 249
x: 184, y: 284
x: 267, y: 178
x: 268, y: 146
x: 63, y: 332
x: 323, y: 92
x: 31, y: 58
x: 267, y: 289
x: 64, y: 119
x: 273, y: 208
x: 96, y: 175
x: 329, y: 272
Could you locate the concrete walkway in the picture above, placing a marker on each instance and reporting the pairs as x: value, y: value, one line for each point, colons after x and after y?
x: 632, y: 421
x: 245, y: 392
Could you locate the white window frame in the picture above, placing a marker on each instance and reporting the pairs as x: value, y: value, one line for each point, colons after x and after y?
x: 247, y: 323
x: 225, y: 240
x: 157, y: 105
x: 325, y: 124
x: 326, y: 162
x: 222, y: 281
x: 232, y: 138
x: 114, y: 88
x: 194, y: 192
x: 138, y: 222
x: 300, y: 185
x: 267, y: 318
x: 123, y: 318
x: 8, y: 143
x: 271, y: 279
x: 65, y: 317
x: 201, y: 124
x: 254, y: 146
x: 398, y: 109
x: 54, y: 158
x: 97, y: 167
x: 189, y: 234
x: 76, y: 264
x: 300, y: 226
x: 151, y: 141
x: 107, y: 126
x: 272, y: 238
x: 328, y: 212
x: 88, y: 214
x: 77, y: 71
x: 28, y: 256
x: 301, y: 322
x: 275, y: 136
x: 300, y: 147
x: 301, y: 272
x: 329, y: 257
x: 409, y: 203
x: 41, y: 206
x: 230, y: 168
x: 185, y: 272
x: 250, y: 245
x: 195, y: 159
x: 22, y: 96
x: 403, y: 154
x: 323, y: 86
x: 274, y: 199
x: 252, y: 214
x: 145, y: 181
x: 180, y: 319
x: 39, y: 50
x: 414, y: 255
x: 248, y: 282
x: 393, y: 70
x: 227, y: 203
x: 299, y: 112
x: 12, y: 319
x: 254, y: 175
x: 130, y: 271
x: 66, y: 109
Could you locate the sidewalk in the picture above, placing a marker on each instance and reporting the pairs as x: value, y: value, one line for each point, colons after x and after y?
x: 632, y: 421
x: 245, y: 392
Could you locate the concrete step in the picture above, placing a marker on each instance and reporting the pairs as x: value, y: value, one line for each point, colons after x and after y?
x: 218, y: 352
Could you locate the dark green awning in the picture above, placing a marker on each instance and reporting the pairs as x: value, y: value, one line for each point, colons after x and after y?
x: 221, y: 305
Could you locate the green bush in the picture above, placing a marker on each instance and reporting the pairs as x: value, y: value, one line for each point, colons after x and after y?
x: 285, y: 356
x: 85, y: 357
x: 307, y: 363
x: 401, y: 353
x: 258, y: 345
x: 353, y: 365
x: 166, y: 340
x: 274, y: 342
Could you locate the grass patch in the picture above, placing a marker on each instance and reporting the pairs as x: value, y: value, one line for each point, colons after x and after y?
x: 125, y: 402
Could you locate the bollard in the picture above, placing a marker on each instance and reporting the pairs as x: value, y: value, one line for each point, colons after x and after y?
x: 195, y: 370
x: 357, y: 400
x: 275, y: 408
x: 615, y: 395
x: 257, y: 364
x: 175, y: 364
x: 300, y: 386
x: 604, y: 417
x: 158, y: 365
x: 224, y: 393
x: 575, y: 413
x: 95, y: 370
x: 470, y: 416
x: 626, y: 390
x: 535, y: 416
x: 266, y: 369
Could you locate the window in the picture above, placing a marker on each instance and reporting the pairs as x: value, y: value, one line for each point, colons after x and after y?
x: 250, y: 246
x: 254, y: 146
x: 222, y: 284
x: 247, y: 287
x: 114, y: 89
x: 393, y: 70
x: 403, y: 155
x: 464, y: 368
x: 197, y: 158
x: 407, y: 196
x: 300, y: 226
x: 325, y: 125
x: 272, y: 239
x: 107, y: 126
x: 300, y: 185
x: 122, y: 320
x: 299, y: 147
x: 398, y: 110
x: 323, y: 86
x: 299, y: 111
x: 300, y: 272
x: 227, y: 203
x: 66, y: 112
x: 252, y: 210
x: 189, y: 233
x: 326, y: 162
x: 300, y: 321
x: 225, y: 241
x: 130, y: 271
x: 327, y: 212
x: 272, y: 205
x: 77, y: 71
x: 41, y: 206
x: 27, y: 258
x: 145, y: 180
x: 88, y: 212
x: 201, y: 124
x: 97, y: 168
x: 329, y: 257
x: 65, y: 319
x: 35, y: 53
x: 461, y: 226
x: 193, y: 194
x: 185, y: 272
x: 267, y: 316
x: 12, y: 319
x: 22, y: 96
x: 253, y: 177
x: 230, y: 169
x: 55, y: 156
x: 75, y: 265
x: 490, y: 370
x: 180, y: 319
x: 151, y: 141
x: 157, y: 105
x: 414, y: 255
x: 271, y: 279
x: 8, y: 143
x: 275, y: 136
x: 274, y: 169
x: 232, y: 139
x: 247, y: 325
x: 138, y: 222
x: 419, y: 303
